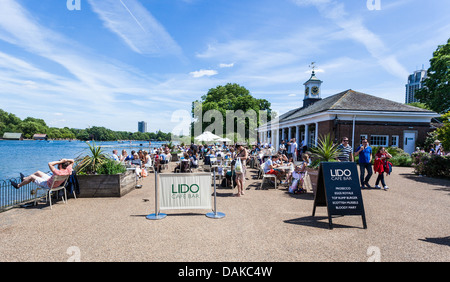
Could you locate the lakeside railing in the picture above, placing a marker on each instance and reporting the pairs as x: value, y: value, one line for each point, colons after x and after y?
x: 11, y: 197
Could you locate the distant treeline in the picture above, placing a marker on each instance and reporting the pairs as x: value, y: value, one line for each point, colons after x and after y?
x: 30, y: 126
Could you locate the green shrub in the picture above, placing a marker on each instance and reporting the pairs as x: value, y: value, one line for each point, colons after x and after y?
x: 111, y: 166
x: 401, y: 160
x: 431, y: 165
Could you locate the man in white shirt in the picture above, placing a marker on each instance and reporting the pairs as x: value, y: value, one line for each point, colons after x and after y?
x: 293, y: 149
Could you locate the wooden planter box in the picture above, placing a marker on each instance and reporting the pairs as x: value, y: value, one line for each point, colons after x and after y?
x: 117, y: 185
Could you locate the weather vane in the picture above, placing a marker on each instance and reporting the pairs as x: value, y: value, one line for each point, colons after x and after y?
x: 312, y: 65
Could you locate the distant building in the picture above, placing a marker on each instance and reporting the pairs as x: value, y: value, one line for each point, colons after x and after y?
x: 142, y: 126
x: 40, y: 137
x: 12, y: 136
x: 415, y: 82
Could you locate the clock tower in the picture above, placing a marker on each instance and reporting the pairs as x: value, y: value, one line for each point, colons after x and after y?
x: 312, y: 89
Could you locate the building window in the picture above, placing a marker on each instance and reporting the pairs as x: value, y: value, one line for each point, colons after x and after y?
x: 379, y: 140
x: 394, y: 141
x: 361, y: 137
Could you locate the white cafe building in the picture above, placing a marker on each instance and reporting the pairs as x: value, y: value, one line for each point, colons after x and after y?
x: 350, y: 114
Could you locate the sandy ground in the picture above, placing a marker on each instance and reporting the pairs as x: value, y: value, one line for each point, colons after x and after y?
x: 408, y: 223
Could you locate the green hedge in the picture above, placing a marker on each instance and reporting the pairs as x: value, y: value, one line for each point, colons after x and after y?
x: 399, y: 157
x: 431, y: 165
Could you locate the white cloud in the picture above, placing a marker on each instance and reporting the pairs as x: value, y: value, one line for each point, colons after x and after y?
x: 88, y: 82
x: 226, y: 65
x: 355, y: 29
x: 136, y: 27
x: 202, y: 73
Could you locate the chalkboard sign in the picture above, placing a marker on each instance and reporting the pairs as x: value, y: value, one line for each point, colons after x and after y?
x: 338, y: 189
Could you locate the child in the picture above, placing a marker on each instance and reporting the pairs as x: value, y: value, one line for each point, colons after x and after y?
x: 298, y: 177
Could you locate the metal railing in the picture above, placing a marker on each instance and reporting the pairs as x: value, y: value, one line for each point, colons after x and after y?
x: 11, y: 197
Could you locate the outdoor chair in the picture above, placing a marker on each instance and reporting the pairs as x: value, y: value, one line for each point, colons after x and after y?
x: 150, y: 166
x: 185, y: 166
x: 48, y: 196
x: 268, y: 176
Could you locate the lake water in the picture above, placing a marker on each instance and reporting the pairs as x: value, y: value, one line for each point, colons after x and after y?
x: 28, y: 156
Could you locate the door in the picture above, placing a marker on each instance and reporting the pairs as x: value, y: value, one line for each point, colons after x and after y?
x: 409, y: 142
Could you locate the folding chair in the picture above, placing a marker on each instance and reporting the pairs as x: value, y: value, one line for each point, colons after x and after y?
x: 48, y: 196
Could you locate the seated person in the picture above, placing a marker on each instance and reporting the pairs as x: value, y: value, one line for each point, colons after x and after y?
x: 123, y: 156
x: 193, y: 159
x: 298, y: 176
x: 115, y: 156
x: 270, y: 165
x: 44, y: 180
x: 137, y: 163
x: 130, y: 157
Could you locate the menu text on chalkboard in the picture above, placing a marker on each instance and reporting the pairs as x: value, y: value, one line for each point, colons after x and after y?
x: 338, y: 189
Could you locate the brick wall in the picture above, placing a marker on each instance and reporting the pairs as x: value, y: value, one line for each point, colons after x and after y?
x: 341, y: 129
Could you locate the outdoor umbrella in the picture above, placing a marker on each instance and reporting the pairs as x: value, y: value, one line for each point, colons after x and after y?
x: 207, y: 137
x: 223, y: 140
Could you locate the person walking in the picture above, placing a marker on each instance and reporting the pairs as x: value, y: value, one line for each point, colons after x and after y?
x: 345, y: 151
x: 364, y: 151
x: 380, y: 166
x: 242, y: 154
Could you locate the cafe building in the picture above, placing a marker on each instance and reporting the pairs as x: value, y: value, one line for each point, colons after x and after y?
x: 349, y: 114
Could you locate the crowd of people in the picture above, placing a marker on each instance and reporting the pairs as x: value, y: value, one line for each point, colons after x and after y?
x: 266, y: 156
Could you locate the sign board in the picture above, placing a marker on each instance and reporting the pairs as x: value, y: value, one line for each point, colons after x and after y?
x: 338, y: 189
x: 184, y: 191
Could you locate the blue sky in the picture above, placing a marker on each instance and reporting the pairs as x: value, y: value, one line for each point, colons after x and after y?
x: 116, y: 62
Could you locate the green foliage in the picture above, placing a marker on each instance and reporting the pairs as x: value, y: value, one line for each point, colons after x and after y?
x: 419, y: 105
x: 91, y: 163
x: 110, y: 166
x: 325, y: 151
x: 30, y: 126
x: 231, y: 97
x: 435, y: 94
x: 443, y: 133
x: 431, y: 165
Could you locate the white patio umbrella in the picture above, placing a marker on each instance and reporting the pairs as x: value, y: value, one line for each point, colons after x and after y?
x: 223, y: 140
x: 207, y: 137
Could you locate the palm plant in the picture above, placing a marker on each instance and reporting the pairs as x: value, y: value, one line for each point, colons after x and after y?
x: 325, y: 151
x: 91, y: 163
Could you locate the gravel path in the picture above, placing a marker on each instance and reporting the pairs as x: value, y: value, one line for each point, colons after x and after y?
x: 410, y: 222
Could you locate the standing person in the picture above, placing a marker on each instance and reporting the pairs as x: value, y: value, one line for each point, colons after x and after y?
x: 45, y: 180
x: 438, y: 150
x: 345, y: 151
x: 365, y: 158
x: 242, y: 154
x: 380, y: 166
x: 282, y: 147
x: 304, y: 146
x: 294, y: 149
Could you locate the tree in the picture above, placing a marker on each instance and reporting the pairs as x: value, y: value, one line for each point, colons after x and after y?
x: 436, y: 93
x: 229, y: 98
x: 443, y: 133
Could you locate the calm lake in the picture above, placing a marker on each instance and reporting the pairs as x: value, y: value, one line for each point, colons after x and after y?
x: 28, y: 156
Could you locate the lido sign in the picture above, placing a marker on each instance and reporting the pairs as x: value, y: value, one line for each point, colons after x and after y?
x: 338, y: 189
x: 185, y: 191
